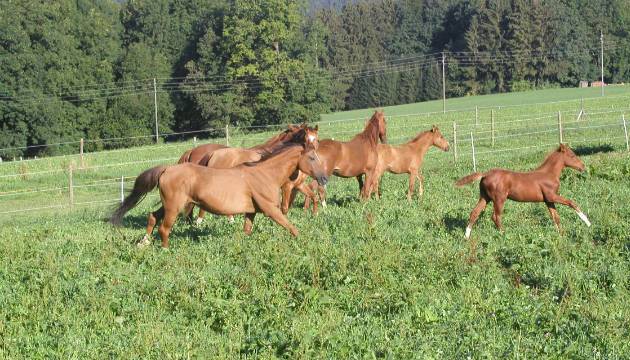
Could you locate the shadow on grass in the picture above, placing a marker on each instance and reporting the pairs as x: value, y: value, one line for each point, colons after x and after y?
x: 342, y: 200
x: 593, y: 149
x: 455, y: 223
x: 181, y: 228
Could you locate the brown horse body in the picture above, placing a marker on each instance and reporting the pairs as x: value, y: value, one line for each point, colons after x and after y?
x: 247, y: 189
x: 407, y: 159
x: 540, y: 185
x: 353, y: 158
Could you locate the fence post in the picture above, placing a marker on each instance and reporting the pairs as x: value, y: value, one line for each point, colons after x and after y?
x: 70, y: 185
x: 81, y: 153
x: 157, y: 132
x: 625, y: 131
x: 476, y: 115
x: 194, y: 141
x: 560, y: 127
x: 455, y: 140
x: 472, y: 143
x: 122, y: 189
x: 227, y: 134
x: 492, y: 125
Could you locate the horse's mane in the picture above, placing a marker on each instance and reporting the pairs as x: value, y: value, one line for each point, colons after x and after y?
x: 284, y: 147
x: 551, y: 156
x: 422, y: 133
x: 371, y: 129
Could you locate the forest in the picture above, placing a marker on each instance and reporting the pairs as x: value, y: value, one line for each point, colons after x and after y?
x: 94, y: 69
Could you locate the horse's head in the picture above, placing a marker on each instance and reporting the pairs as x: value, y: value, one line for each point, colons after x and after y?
x: 438, y: 139
x: 570, y: 159
x: 311, y: 164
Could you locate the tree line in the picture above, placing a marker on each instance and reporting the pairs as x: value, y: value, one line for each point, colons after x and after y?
x: 74, y: 69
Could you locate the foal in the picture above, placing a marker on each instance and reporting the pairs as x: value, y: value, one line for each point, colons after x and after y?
x: 540, y: 185
x: 248, y: 189
x: 407, y: 158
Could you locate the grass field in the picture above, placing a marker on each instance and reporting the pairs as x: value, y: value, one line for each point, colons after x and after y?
x: 382, y: 279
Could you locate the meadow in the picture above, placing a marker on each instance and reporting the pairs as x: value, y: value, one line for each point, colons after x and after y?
x: 380, y: 279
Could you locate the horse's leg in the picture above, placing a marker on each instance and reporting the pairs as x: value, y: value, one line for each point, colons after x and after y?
x: 310, y: 195
x: 167, y: 224
x: 554, y: 215
x: 498, y: 209
x: 474, y: 215
x: 249, y: 222
x: 188, y: 212
x: 360, y: 180
x: 412, y: 183
x: 553, y: 197
x: 420, y: 184
x: 319, y: 190
x: 272, y: 211
x: 201, y: 215
x: 154, y: 217
x: 288, y: 196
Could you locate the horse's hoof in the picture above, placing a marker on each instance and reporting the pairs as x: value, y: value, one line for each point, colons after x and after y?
x: 468, y: 230
x: 324, y: 203
x: 144, y: 242
x: 199, y: 221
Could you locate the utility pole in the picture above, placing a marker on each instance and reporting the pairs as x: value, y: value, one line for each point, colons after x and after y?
x: 157, y: 133
x: 443, y: 84
x: 601, y: 38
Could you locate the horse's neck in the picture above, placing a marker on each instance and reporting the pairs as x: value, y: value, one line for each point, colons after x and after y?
x: 420, y: 144
x: 280, y: 167
x: 369, y: 135
x: 553, y: 165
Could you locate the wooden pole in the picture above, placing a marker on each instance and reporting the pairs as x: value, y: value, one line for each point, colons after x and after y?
x: 70, y: 185
x: 492, y: 125
x: 81, y: 153
x: 455, y: 140
x: 194, y: 141
x: 601, y: 39
x: 476, y: 116
x: 625, y: 131
x: 472, y: 143
x: 560, y: 127
x: 227, y: 134
x: 443, y: 84
x: 122, y: 189
x: 157, y: 132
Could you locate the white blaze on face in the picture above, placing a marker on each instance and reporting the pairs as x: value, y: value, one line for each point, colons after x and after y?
x: 468, y: 230
x: 584, y: 218
x: 311, y: 138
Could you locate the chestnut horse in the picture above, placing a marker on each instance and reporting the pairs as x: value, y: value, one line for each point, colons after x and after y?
x: 540, y: 185
x: 348, y: 159
x: 228, y: 157
x: 248, y: 188
x: 407, y: 159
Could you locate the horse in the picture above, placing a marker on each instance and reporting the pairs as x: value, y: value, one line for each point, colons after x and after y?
x: 228, y: 157
x: 407, y: 159
x: 353, y: 158
x: 539, y: 185
x: 248, y: 188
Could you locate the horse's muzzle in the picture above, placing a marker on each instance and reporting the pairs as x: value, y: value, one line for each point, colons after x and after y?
x: 322, y: 180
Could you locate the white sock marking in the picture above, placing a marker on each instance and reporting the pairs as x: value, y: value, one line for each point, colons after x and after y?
x: 324, y: 203
x: 199, y: 220
x: 144, y: 242
x: 468, y: 230
x: 231, y: 219
x: 584, y: 218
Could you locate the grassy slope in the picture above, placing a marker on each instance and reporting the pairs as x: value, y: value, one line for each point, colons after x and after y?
x: 383, y: 278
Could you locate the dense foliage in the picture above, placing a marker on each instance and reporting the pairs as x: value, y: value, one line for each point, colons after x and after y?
x: 71, y: 69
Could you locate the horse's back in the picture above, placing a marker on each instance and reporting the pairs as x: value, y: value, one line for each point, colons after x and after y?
x: 200, y: 151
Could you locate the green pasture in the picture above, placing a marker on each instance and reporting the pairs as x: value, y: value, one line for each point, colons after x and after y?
x: 381, y: 279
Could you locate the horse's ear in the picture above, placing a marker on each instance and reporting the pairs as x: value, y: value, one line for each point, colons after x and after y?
x: 316, y: 128
x: 562, y: 148
x: 434, y: 128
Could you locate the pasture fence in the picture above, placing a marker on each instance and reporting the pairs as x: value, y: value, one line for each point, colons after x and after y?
x: 98, y: 180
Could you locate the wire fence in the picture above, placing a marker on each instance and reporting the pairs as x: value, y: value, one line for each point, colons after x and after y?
x: 102, y: 178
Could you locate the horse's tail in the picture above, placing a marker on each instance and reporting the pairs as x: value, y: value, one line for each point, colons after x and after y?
x: 185, y: 157
x: 144, y: 183
x: 469, y: 178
